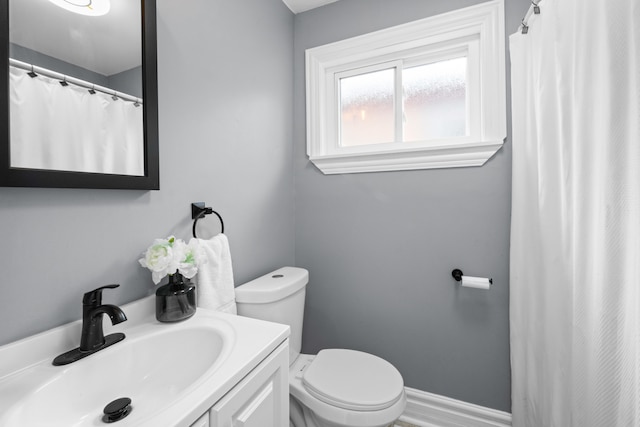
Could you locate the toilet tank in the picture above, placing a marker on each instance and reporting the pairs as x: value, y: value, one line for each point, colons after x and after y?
x: 277, y: 297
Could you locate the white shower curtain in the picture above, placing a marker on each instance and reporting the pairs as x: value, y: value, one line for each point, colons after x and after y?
x: 575, y: 232
x: 67, y: 128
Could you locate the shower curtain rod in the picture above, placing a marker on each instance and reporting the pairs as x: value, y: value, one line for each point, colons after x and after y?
x: 533, y: 9
x: 77, y: 82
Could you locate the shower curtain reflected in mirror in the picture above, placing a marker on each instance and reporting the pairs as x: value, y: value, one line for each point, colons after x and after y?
x: 575, y: 234
x: 67, y: 128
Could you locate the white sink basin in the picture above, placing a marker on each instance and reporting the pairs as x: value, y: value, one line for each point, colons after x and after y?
x: 150, y: 370
x: 171, y: 372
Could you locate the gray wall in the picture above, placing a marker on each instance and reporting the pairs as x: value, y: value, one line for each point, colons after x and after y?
x: 31, y: 56
x: 128, y: 81
x: 225, y: 138
x: 380, y: 247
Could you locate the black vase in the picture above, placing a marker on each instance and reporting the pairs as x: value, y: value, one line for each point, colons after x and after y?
x: 176, y: 300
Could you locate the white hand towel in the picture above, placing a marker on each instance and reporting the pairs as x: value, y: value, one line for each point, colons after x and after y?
x: 214, y: 280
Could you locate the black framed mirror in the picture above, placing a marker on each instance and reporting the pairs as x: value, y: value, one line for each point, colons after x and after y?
x: 15, y: 174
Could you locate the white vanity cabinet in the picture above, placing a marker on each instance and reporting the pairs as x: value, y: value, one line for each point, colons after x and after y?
x: 261, y: 399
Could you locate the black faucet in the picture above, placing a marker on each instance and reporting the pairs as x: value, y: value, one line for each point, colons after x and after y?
x: 92, y: 338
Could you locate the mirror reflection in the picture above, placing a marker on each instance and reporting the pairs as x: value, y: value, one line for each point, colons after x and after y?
x: 76, y: 86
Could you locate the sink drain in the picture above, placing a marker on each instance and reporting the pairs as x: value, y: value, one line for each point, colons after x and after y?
x: 117, y: 410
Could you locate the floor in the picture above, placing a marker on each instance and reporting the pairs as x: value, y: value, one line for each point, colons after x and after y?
x: 403, y: 424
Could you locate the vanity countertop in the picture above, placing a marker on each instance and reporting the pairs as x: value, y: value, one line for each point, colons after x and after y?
x: 173, y: 372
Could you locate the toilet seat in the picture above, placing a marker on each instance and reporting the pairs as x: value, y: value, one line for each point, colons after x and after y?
x: 332, y: 414
x: 353, y: 380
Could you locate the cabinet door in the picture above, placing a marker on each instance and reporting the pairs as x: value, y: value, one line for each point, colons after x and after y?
x: 261, y: 399
x: 203, y: 421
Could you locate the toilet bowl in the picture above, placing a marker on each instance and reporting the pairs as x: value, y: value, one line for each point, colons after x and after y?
x: 336, y: 387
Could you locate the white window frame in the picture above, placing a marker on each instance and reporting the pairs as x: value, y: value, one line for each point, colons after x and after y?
x: 476, y: 32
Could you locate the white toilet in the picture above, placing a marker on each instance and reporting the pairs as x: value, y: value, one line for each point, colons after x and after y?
x: 336, y: 388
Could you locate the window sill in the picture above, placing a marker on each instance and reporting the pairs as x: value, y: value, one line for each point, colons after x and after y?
x: 462, y: 155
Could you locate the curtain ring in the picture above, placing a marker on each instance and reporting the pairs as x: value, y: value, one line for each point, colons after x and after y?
x: 64, y: 81
x: 536, y: 8
x: 525, y: 28
x: 32, y: 73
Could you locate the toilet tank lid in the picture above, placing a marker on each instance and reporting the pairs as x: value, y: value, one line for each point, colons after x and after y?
x: 273, y: 286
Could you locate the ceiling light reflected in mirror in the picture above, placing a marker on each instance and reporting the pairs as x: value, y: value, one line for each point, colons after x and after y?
x: 85, y: 7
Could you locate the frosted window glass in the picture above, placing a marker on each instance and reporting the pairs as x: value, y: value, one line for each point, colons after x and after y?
x: 367, y: 108
x: 435, y: 100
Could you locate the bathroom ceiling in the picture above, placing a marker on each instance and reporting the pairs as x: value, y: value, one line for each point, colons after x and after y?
x: 298, y: 6
x: 113, y: 45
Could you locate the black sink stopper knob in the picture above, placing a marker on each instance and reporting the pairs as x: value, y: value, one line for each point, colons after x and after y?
x: 117, y: 410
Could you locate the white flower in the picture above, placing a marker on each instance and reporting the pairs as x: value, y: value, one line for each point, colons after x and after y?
x: 194, y: 257
x: 171, y: 255
x: 159, y: 259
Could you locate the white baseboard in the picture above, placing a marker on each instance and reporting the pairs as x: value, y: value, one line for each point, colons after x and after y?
x: 431, y: 410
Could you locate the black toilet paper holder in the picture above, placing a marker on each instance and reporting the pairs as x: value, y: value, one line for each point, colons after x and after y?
x: 457, y: 274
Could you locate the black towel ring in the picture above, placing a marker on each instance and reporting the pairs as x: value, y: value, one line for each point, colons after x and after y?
x: 199, y: 210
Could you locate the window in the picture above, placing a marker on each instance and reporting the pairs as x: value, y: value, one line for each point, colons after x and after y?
x: 430, y: 103
x: 428, y: 94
